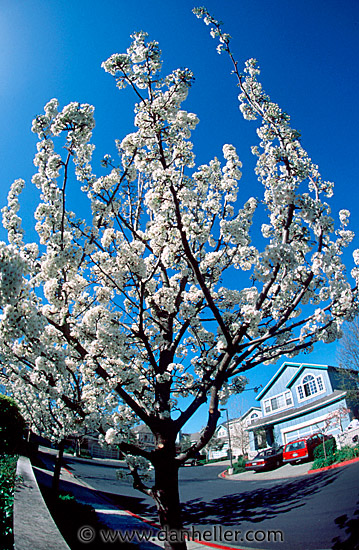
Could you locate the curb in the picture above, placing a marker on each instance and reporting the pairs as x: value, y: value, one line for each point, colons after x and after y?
x: 34, y: 526
x: 332, y: 466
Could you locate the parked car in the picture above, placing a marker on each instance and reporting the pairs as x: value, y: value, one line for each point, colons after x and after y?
x: 191, y: 462
x: 302, y: 449
x: 266, y: 460
x: 196, y: 461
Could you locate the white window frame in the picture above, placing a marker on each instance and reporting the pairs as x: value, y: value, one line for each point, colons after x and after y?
x: 300, y: 387
x: 267, y: 402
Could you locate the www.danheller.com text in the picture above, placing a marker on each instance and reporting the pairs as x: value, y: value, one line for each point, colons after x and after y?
x: 215, y: 533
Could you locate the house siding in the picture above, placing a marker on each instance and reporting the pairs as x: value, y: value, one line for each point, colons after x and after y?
x: 314, y: 371
x: 279, y: 387
x: 307, y: 423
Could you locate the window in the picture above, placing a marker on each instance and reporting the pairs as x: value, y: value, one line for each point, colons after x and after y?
x: 251, y: 419
x: 311, y: 385
x: 278, y: 402
x: 295, y: 446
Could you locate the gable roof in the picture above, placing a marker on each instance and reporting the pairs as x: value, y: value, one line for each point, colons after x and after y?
x: 275, y: 378
x: 231, y: 421
x: 301, y: 369
x: 252, y: 409
x: 299, y: 366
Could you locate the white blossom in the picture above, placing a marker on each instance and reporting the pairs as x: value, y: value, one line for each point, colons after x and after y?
x: 159, y: 279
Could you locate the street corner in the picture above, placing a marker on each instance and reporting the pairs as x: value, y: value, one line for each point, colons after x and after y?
x: 283, y: 472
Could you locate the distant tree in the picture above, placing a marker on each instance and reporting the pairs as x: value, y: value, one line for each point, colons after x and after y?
x: 12, y: 426
x: 334, y: 420
x: 121, y: 310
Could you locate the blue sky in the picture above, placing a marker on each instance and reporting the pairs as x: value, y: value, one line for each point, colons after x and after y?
x: 308, y: 52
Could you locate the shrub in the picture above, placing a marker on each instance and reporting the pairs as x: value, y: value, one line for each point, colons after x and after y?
x: 346, y: 453
x: 323, y: 462
x: 330, y: 448
x: 69, y: 450
x: 239, y: 466
x: 7, y: 482
x: 12, y: 426
x: 85, y: 453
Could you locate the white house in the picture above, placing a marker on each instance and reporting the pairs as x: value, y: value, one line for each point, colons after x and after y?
x: 238, y: 435
x: 144, y: 437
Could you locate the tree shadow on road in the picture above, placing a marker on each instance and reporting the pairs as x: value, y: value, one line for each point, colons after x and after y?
x: 257, y: 505
x: 350, y: 538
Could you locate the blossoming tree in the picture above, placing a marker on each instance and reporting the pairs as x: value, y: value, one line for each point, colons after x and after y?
x: 115, y: 316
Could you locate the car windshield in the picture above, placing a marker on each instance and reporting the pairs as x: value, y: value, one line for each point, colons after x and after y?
x: 296, y: 446
x: 267, y: 452
x: 260, y: 455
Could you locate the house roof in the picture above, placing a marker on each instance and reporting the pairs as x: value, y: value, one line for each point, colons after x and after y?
x: 225, y: 424
x: 300, y: 366
x: 301, y: 369
x: 252, y: 409
x: 293, y: 412
x: 238, y: 419
x: 195, y: 436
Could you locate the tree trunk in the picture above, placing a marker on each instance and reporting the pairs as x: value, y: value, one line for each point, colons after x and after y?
x: 166, y: 495
x: 57, y: 469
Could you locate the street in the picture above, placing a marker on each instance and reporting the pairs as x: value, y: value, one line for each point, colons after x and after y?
x: 310, y: 512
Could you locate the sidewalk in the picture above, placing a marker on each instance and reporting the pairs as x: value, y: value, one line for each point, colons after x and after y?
x: 108, y: 513
x: 286, y: 471
x: 283, y: 472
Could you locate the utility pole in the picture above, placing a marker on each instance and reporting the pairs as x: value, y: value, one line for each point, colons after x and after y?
x: 230, y: 471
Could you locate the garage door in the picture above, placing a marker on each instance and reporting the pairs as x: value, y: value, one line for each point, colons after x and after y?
x: 302, y: 432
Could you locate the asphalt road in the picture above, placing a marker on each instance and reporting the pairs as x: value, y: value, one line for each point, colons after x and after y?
x: 310, y: 512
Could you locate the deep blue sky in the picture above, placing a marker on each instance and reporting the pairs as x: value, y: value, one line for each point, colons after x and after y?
x: 308, y: 52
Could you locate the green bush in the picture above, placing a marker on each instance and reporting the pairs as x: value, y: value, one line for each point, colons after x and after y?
x: 12, y: 426
x: 239, y: 466
x: 7, y: 482
x: 85, y: 453
x: 346, y: 453
x: 330, y: 448
x: 323, y: 462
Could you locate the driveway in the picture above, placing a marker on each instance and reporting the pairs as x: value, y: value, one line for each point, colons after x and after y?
x: 283, y: 472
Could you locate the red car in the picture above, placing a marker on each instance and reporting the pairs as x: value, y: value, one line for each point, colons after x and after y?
x: 302, y: 449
